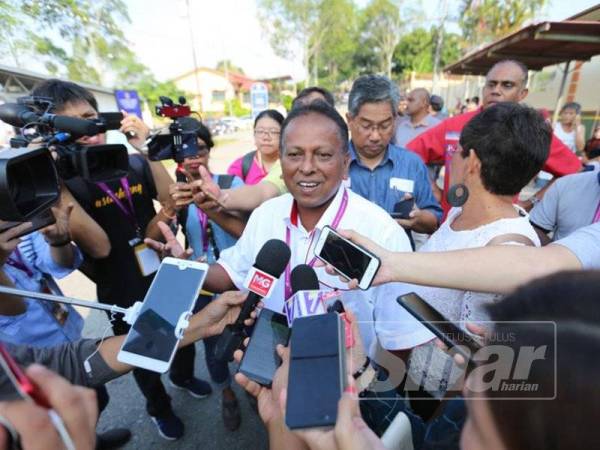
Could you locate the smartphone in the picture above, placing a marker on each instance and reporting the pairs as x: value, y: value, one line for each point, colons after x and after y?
x: 450, y: 334
x: 260, y: 359
x: 111, y: 120
x: 24, y: 387
x: 152, y: 340
x: 41, y: 220
x: 403, y: 208
x: 347, y: 258
x: 317, y: 373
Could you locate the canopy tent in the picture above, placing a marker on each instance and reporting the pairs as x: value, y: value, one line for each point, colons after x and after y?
x: 537, y: 46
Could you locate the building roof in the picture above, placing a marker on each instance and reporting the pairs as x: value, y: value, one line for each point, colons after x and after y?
x: 34, y: 77
x: 238, y: 80
x: 592, y: 13
x: 537, y: 46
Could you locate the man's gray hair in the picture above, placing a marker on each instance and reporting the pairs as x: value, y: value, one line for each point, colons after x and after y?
x: 372, y: 89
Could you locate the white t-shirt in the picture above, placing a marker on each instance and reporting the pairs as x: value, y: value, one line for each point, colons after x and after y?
x: 428, y: 363
x: 269, y: 221
x: 567, y: 138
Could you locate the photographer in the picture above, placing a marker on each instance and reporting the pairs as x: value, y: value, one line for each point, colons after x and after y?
x: 123, y: 209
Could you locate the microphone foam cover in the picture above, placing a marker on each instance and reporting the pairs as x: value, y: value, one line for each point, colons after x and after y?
x: 304, y: 278
x: 273, y: 257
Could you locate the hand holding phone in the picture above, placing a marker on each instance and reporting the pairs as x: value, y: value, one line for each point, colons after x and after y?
x: 347, y: 258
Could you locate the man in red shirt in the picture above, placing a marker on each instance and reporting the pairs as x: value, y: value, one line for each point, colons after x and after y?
x: 506, y: 81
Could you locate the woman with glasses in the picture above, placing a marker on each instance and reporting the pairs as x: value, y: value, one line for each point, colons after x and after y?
x: 255, y: 165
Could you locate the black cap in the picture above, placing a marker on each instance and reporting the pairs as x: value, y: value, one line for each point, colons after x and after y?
x: 273, y: 257
x: 436, y: 102
x: 304, y: 278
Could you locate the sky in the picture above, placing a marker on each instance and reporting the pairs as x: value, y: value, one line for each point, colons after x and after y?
x: 229, y: 29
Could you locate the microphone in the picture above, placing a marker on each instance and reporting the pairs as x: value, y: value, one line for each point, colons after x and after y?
x: 19, y: 115
x: 304, y: 278
x: 270, y: 263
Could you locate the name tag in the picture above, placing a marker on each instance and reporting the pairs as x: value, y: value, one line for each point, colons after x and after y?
x: 402, y: 184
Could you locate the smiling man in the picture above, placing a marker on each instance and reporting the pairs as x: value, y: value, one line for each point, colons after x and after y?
x: 314, y: 160
x: 506, y: 81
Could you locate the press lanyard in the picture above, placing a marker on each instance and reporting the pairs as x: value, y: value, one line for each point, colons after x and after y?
x: 288, y: 236
x: 597, y: 215
x: 203, y: 219
x: 18, y: 263
x: 128, y: 213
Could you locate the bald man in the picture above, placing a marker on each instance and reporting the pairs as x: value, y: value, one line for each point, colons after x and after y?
x: 417, y: 118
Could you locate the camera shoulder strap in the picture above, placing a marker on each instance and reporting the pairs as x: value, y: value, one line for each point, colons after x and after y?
x: 247, y: 163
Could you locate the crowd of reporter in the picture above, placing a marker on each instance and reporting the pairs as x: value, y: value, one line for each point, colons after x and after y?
x: 482, y: 260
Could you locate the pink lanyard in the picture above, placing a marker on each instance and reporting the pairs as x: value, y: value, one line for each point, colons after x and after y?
x: 203, y: 219
x: 16, y: 260
x: 294, y: 220
x: 597, y: 215
x: 129, y: 213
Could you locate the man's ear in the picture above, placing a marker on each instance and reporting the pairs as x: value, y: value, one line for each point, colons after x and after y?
x: 473, y: 162
x: 523, y: 94
x: 346, y: 173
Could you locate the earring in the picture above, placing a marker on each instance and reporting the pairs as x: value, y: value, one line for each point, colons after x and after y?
x: 457, y: 195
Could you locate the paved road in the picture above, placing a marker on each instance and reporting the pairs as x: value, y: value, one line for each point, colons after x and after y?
x: 202, y: 418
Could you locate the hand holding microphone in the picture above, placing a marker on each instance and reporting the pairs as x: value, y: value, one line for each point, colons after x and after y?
x: 270, y: 263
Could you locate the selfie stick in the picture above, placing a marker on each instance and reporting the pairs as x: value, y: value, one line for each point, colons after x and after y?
x: 130, y: 314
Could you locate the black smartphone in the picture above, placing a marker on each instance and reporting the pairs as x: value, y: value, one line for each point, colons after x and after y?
x: 111, y: 120
x: 41, y: 220
x: 317, y: 374
x: 260, y: 359
x: 347, y: 258
x: 450, y: 334
x: 403, y: 208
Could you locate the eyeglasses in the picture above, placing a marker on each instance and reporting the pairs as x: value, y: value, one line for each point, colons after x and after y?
x: 263, y: 133
x: 380, y: 127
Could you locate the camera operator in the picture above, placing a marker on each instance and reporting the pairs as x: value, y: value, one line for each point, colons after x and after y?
x: 123, y: 209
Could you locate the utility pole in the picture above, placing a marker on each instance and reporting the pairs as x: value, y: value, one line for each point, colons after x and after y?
x: 189, y: 18
x: 439, y: 44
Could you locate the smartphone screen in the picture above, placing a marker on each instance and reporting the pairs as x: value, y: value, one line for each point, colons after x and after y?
x: 172, y: 293
x: 350, y: 260
x: 260, y: 358
x: 451, y: 334
x: 317, y: 370
x: 403, y: 208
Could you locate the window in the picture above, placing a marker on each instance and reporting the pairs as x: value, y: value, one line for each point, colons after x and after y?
x: 218, y: 96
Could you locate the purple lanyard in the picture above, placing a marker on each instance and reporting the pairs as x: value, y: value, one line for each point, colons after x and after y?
x: 129, y: 213
x: 203, y: 219
x: 18, y: 263
x: 288, y: 237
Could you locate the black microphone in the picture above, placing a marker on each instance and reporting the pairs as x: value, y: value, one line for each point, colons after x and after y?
x: 270, y: 263
x: 304, y: 278
x: 19, y: 115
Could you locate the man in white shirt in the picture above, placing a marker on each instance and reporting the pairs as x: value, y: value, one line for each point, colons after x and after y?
x: 314, y: 160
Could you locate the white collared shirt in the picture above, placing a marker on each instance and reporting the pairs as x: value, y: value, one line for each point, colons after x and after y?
x: 269, y: 221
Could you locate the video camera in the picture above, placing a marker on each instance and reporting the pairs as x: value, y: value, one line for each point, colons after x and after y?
x: 29, y: 178
x: 178, y: 143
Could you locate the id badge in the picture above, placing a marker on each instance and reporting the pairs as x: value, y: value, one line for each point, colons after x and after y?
x: 147, y: 259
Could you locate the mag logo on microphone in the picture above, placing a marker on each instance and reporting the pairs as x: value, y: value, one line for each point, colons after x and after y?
x: 259, y: 282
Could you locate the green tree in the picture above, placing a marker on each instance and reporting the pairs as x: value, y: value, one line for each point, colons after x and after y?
x: 236, y: 108
x: 483, y: 21
x: 416, y: 51
x: 381, y: 28
x: 221, y: 65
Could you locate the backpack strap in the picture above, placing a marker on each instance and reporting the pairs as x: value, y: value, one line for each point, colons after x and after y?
x: 247, y: 163
x: 225, y: 181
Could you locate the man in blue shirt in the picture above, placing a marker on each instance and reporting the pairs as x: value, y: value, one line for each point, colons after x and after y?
x: 31, y: 265
x: 207, y: 240
x: 380, y: 171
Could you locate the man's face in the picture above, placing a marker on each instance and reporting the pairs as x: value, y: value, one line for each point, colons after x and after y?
x: 313, y: 161
x: 568, y: 115
x: 416, y: 103
x: 372, y: 128
x: 504, y: 83
x: 192, y: 164
x: 83, y: 110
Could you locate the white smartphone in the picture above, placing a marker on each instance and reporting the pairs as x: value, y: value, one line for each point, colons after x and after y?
x: 152, y: 340
x: 347, y: 258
